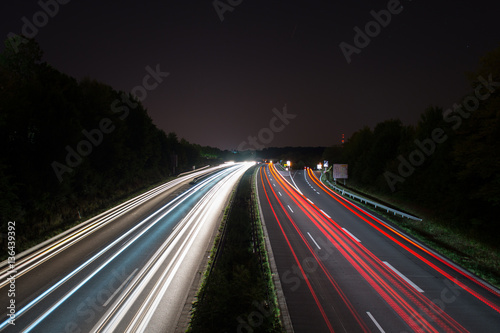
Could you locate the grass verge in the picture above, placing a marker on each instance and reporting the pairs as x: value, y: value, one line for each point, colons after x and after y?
x: 237, y: 292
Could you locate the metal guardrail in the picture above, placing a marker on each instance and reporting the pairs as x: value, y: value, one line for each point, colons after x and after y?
x: 191, y: 171
x: 375, y: 204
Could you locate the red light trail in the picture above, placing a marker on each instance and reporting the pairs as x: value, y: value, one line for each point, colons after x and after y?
x: 414, y: 308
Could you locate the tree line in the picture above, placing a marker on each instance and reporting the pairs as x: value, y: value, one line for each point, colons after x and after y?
x: 447, y: 164
x: 66, y: 153
x: 299, y: 156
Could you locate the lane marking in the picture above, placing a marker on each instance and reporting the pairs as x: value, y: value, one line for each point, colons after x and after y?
x: 355, y: 238
x: 325, y: 213
x: 174, y: 203
x: 375, y: 322
x: 183, y: 235
x: 37, y: 257
x: 290, y: 208
x: 319, y: 248
x: 403, y: 277
x: 280, y: 193
x: 295, y: 185
x: 120, y: 287
x: 310, y: 201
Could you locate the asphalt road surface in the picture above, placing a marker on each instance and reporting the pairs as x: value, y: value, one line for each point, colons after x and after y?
x: 345, y: 270
x: 129, y: 269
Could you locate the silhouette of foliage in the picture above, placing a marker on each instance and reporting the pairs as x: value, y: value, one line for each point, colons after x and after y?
x: 459, y: 177
x: 44, y: 114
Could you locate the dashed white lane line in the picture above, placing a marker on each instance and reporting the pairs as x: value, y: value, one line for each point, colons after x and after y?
x: 325, y: 214
x: 319, y: 248
x: 312, y: 203
x: 290, y: 208
x: 403, y: 277
x: 375, y: 322
x: 280, y: 193
x: 354, y: 237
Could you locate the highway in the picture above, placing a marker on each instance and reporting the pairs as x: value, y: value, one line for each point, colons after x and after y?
x: 345, y: 270
x: 130, y: 269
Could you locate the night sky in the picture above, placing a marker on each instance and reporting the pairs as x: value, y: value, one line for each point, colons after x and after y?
x: 227, y: 76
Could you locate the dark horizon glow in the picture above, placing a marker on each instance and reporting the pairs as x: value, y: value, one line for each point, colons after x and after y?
x: 227, y: 76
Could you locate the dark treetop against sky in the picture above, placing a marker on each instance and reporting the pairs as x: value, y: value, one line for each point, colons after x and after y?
x: 226, y: 76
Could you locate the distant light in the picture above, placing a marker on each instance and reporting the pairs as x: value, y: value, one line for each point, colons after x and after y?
x: 229, y: 162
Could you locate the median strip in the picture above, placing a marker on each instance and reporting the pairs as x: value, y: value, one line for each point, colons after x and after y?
x: 240, y: 268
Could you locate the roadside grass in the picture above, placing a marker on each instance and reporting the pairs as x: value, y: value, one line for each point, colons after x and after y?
x: 479, y: 258
x: 268, y: 275
x: 237, y: 292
